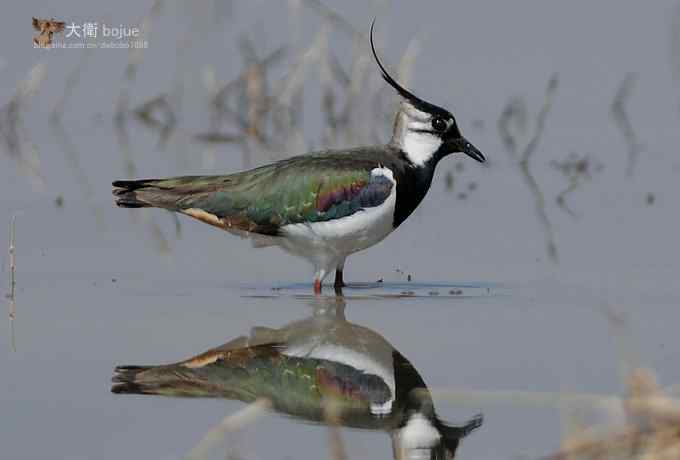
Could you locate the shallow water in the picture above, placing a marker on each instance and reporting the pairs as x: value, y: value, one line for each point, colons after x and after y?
x: 485, y: 317
x: 63, y: 373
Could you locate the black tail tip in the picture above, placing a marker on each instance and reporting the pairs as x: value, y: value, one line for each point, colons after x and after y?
x: 124, y: 379
x: 130, y: 184
x: 126, y: 389
x: 126, y: 195
x: 130, y: 203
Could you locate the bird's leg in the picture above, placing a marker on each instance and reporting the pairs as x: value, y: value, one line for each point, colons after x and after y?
x: 319, y: 275
x: 339, y: 281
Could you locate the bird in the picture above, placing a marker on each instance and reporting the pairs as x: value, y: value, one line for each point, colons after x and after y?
x: 322, y: 206
x: 308, y: 366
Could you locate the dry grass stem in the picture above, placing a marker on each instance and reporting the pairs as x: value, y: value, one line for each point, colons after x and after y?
x: 524, y: 163
x: 577, y: 169
x: 122, y: 137
x: 72, y: 156
x: 650, y: 428
x: 512, y: 119
x: 158, y: 114
x: 263, y: 115
x: 229, y: 424
x: 512, y: 122
x: 157, y: 234
x: 13, y: 131
x: 213, y: 137
x: 557, y: 400
x: 332, y: 420
x: 72, y: 81
x: 11, y: 296
x: 250, y: 90
x: 622, y: 120
x: 71, y: 152
x: 335, y: 19
x: 675, y: 43
x: 120, y: 128
x: 135, y: 59
x: 651, y: 431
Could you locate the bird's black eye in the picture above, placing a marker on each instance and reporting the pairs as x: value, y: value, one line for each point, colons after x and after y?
x: 439, y: 124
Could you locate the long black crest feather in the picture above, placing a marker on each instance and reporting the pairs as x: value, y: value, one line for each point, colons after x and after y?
x: 406, y: 94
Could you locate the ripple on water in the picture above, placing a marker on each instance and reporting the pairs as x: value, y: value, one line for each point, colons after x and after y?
x: 383, y: 290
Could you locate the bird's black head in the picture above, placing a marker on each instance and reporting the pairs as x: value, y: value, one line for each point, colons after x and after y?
x: 423, y: 130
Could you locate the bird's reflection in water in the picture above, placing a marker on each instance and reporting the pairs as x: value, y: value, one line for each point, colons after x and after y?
x: 307, y: 367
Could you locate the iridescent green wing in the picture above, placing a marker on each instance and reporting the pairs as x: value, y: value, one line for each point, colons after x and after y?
x: 304, y: 190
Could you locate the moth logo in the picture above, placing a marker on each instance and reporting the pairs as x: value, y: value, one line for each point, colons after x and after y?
x: 46, y: 29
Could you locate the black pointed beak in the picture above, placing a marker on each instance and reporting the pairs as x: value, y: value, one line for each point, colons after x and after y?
x: 464, y: 146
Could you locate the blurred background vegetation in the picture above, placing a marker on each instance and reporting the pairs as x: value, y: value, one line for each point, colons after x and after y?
x: 585, y: 123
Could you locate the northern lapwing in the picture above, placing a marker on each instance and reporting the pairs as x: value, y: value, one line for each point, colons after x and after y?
x: 310, y: 367
x: 322, y: 206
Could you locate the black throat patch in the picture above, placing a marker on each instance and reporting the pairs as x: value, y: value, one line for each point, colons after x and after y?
x: 413, y: 182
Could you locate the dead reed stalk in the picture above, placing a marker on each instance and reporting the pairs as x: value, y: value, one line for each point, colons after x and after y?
x: 577, y: 169
x: 12, y: 281
x: 651, y: 430
x: 515, y: 112
x: 332, y: 420
x: 14, y: 135
x: 622, y: 120
x: 229, y: 424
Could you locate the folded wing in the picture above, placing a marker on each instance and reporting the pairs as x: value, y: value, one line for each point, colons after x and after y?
x: 304, y: 189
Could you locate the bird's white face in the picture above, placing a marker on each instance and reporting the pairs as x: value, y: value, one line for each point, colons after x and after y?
x: 422, y: 130
x: 416, y: 439
x: 415, y: 134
